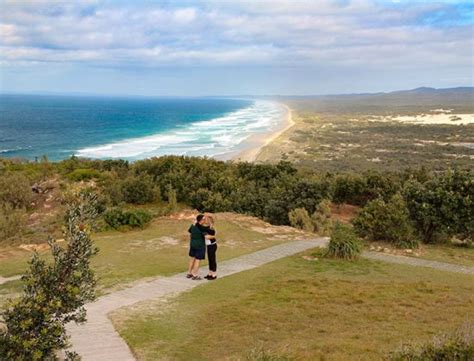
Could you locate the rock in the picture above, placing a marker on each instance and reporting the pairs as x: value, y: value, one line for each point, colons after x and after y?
x: 408, y: 251
x: 386, y: 250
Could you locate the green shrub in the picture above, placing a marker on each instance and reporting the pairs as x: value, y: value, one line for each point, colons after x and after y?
x: 386, y: 221
x: 140, y: 189
x: 15, y: 190
x: 343, y: 243
x: 321, y: 218
x: 78, y: 175
x: 458, y: 346
x: 12, y: 222
x: 299, y: 218
x: 117, y: 217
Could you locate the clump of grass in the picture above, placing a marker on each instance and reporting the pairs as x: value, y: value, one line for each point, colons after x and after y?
x: 343, y: 243
x: 261, y: 354
x: 458, y: 346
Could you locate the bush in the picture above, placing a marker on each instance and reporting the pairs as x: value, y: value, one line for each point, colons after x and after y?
x: 12, y: 222
x: 458, y: 346
x: 299, y: 218
x: 15, y: 190
x: 343, y: 243
x: 78, y: 175
x: 321, y: 218
x: 117, y: 217
x: 140, y: 189
x: 386, y: 221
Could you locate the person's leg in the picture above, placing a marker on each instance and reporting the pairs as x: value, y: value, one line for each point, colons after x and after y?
x: 191, y: 265
x: 195, y: 271
x: 211, y: 253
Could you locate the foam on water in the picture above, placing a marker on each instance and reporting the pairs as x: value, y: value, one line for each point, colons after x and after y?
x: 215, y: 137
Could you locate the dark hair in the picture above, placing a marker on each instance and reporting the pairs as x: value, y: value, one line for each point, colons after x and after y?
x: 199, y: 217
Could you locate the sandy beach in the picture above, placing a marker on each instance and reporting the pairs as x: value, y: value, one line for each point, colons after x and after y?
x: 257, y: 142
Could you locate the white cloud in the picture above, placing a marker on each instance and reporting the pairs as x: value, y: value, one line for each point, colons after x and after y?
x: 289, y: 33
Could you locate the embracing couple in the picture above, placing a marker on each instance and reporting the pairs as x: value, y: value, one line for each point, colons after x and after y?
x: 203, y: 236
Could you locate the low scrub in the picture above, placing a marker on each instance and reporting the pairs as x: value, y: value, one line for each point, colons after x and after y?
x: 343, y: 243
x: 321, y: 218
x: 300, y: 218
x: 15, y: 190
x: 80, y: 174
x: 117, y: 217
x: 458, y: 346
x: 12, y: 222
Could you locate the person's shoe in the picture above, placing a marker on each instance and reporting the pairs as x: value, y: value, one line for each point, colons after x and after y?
x: 189, y: 275
x: 207, y: 277
x: 211, y: 278
x: 196, y: 278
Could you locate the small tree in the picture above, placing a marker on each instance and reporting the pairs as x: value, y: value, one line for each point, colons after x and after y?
x: 299, y: 218
x: 321, y: 218
x: 53, y: 294
x: 172, y: 199
x: 343, y: 243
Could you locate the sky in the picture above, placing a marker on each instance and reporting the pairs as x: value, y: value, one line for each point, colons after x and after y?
x: 226, y: 47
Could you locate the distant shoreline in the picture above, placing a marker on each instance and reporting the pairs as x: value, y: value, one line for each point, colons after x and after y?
x: 260, y: 141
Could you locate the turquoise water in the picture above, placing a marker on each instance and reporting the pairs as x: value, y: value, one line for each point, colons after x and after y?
x: 130, y: 128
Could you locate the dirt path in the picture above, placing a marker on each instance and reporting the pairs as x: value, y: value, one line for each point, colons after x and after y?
x: 8, y: 279
x: 98, y: 340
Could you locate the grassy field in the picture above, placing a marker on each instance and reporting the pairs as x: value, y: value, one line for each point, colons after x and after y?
x: 448, y: 253
x: 302, y: 309
x: 160, y: 249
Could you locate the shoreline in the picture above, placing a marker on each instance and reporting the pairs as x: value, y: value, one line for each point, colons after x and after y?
x: 259, y: 141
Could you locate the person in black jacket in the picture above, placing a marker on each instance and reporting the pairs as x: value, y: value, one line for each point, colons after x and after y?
x: 209, y: 230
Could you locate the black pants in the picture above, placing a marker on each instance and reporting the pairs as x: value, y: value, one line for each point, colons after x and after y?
x: 211, y: 254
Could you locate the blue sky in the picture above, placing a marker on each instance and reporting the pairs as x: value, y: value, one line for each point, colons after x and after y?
x: 226, y: 47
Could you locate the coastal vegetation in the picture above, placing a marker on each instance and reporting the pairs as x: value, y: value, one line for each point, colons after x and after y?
x: 402, y: 208
x: 385, y: 132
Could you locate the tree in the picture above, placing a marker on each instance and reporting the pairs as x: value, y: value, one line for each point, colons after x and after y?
x: 443, y: 205
x: 140, y: 189
x: 53, y: 293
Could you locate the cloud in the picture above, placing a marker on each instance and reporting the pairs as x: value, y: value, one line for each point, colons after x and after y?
x: 236, y: 33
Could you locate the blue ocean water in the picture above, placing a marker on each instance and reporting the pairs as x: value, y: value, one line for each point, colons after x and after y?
x: 130, y: 128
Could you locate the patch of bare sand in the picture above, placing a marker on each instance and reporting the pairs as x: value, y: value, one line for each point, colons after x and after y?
x: 429, y: 119
x: 151, y: 244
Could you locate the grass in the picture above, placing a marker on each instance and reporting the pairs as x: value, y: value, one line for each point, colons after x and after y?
x: 160, y: 249
x: 448, y: 253
x: 301, y: 309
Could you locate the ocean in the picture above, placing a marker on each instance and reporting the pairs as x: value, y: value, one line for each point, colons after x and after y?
x: 130, y: 128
